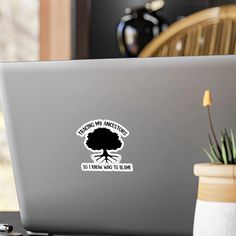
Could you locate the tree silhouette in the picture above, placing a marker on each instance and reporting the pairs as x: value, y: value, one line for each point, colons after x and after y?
x: 103, y: 139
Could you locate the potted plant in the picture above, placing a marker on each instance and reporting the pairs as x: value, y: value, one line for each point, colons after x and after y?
x: 215, y: 213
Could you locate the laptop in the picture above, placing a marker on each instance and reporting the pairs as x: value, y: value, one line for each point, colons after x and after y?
x: 108, y: 146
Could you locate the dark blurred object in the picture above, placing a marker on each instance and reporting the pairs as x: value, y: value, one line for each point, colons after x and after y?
x: 13, y: 218
x: 139, y: 26
x: 5, y: 228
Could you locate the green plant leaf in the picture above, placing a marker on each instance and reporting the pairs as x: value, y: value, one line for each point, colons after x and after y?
x: 225, y: 146
x: 223, y: 151
x: 233, y: 144
x: 209, y: 155
x: 227, y: 149
x: 215, y: 152
x: 213, y: 155
x: 229, y: 146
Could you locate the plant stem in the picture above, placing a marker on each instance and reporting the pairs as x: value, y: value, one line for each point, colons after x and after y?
x: 212, y: 130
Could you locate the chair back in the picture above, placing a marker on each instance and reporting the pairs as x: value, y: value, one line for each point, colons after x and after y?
x: 207, y: 32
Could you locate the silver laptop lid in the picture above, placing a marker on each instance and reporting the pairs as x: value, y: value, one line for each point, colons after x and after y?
x: 107, y: 146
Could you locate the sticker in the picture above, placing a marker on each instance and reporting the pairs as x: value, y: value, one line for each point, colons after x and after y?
x: 104, y: 138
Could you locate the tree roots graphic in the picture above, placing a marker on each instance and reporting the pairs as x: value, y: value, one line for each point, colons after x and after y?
x: 106, y: 158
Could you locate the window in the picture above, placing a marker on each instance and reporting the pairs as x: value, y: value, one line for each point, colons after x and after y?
x: 19, y: 41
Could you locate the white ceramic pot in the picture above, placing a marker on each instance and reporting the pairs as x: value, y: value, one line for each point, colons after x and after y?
x: 215, y: 213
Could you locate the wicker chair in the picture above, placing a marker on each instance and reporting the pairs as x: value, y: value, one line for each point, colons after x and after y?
x: 208, y: 32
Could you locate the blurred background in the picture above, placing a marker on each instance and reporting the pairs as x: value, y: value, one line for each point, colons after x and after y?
x: 91, y: 29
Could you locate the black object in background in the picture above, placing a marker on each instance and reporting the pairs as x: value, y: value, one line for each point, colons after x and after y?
x: 139, y: 26
x: 5, y: 228
x: 97, y: 37
x: 105, y: 14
